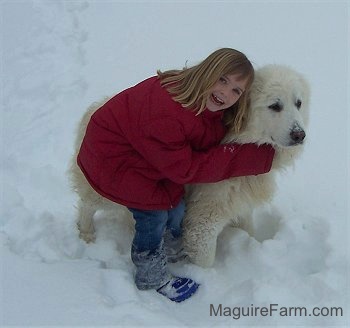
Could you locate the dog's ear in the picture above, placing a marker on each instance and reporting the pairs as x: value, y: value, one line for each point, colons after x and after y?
x: 257, y: 86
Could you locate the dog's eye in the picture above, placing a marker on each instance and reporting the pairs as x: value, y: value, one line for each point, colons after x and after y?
x: 277, y: 107
x: 298, y: 103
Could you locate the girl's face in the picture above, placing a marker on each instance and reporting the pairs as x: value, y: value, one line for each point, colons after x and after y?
x: 225, y: 92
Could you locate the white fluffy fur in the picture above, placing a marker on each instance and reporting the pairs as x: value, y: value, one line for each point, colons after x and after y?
x: 210, y: 207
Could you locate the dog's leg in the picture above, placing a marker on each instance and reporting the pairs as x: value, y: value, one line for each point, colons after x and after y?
x: 85, y: 222
x: 200, y: 238
x: 246, y: 224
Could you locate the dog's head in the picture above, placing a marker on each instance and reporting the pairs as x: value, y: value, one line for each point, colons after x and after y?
x: 279, y: 105
x: 279, y: 100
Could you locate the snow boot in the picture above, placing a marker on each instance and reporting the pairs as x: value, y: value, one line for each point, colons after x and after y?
x: 178, y: 289
x: 151, y: 268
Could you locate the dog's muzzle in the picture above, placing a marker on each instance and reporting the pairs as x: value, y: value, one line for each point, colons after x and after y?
x: 297, y: 134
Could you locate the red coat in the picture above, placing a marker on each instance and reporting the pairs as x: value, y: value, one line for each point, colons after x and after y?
x: 141, y: 147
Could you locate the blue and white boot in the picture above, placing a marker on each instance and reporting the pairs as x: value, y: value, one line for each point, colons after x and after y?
x: 178, y: 289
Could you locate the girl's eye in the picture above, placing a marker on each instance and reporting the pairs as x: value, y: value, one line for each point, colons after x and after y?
x: 222, y: 79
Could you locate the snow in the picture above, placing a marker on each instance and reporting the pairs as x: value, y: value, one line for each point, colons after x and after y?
x: 59, y: 56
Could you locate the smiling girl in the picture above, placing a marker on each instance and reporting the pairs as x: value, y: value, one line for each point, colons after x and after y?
x: 147, y: 142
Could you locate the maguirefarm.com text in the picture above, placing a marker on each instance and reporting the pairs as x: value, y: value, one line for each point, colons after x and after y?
x: 273, y: 310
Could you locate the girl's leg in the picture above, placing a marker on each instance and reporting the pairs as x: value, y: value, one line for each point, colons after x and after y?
x: 147, y: 251
x: 149, y: 257
x: 172, y: 237
x: 175, y: 217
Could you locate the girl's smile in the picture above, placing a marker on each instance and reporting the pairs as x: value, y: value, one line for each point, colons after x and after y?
x: 225, y: 92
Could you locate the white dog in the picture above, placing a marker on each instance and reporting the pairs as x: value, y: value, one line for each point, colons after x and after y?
x: 278, y: 116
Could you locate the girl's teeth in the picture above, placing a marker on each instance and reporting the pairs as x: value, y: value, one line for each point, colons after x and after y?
x: 217, y: 100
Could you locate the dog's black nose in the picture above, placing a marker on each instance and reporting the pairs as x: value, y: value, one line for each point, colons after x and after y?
x: 297, y: 135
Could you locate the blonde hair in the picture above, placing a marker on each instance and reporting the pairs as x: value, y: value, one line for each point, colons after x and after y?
x: 190, y: 86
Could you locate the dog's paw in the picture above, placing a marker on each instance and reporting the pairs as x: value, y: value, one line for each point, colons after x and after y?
x: 86, y: 231
x: 202, y: 261
x: 88, y: 237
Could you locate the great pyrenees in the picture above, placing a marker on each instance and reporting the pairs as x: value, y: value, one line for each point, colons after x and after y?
x: 278, y: 115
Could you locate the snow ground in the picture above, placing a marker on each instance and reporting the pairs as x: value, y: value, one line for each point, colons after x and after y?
x: 59, y: 56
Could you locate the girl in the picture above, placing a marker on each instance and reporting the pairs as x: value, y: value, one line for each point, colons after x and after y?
x: 147, y: 142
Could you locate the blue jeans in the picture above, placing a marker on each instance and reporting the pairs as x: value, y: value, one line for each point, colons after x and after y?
x: 147, y: 251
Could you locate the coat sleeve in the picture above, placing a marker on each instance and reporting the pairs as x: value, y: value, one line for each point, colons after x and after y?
x: 163, y: 144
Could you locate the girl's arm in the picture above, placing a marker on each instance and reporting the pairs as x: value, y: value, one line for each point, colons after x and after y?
x: 166, y: 148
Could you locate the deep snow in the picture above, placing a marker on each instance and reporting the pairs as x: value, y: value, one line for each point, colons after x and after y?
x: 59, y: 56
